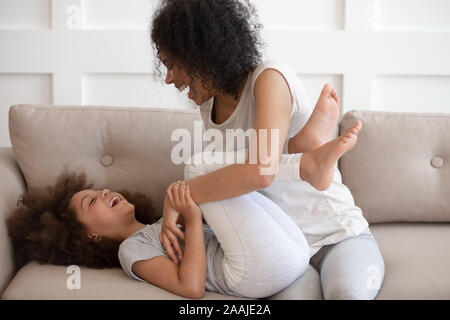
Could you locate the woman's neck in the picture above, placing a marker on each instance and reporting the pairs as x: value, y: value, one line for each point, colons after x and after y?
x: 227, y: 102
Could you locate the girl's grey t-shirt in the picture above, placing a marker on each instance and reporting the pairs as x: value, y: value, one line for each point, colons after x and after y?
x: 144, y: 244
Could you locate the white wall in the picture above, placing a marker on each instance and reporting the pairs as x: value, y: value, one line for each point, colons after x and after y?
x: 379, y: 54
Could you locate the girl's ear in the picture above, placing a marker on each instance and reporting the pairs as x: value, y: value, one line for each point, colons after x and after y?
x: 95, y: 237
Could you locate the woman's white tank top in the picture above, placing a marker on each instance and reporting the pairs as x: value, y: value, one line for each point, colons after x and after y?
x: 244, y: 114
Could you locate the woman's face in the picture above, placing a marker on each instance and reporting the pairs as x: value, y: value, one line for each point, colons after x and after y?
x: 177, y: 75
x: 102, y: 212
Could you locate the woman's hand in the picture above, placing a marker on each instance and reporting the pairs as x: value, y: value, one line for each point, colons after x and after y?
x: 169, y: 229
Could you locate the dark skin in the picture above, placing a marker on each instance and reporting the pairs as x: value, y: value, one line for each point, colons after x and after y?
x: 93, y: 210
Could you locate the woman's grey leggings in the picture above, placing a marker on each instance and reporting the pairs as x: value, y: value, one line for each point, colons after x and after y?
x: 352, y: 269
x: 265, y: 251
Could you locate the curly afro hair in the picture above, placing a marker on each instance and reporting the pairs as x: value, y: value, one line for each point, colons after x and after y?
x: 44, y: 228
x: 216, y: 40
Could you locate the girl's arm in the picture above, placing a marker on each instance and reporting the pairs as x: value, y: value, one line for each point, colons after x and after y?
x: 189, y: 278
x: 192, y: 272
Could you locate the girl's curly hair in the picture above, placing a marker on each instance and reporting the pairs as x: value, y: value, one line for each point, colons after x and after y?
x: 217, y: 40
x: 44, y: 228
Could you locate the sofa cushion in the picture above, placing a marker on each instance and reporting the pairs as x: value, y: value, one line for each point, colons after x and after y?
x: 417, y: 263
x: 49, y: 282
x: 417, y: 266
x: 119, y: 148
x: 400, y: 168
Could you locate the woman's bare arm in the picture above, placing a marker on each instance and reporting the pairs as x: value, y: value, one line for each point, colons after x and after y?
x: 231, y: 181
x: 273, y: 107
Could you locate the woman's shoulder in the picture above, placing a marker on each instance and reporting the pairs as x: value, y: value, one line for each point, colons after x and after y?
x: 276, y: 64
x: 296, y: 87
x: 285, y: 70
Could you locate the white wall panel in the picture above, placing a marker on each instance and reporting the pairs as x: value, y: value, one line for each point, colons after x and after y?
x: 376, y: 53
x: 138, y: 90
x: 301, y: 14
x: 314, y: 83
x: 25, y: 14
x: 21, y: 89
x: 116, y: 14
x: 411, y: 93
x: 429, y: 15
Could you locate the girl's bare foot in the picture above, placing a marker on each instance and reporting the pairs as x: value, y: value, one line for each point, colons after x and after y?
x: 321, y: 125
x: 317, y: 166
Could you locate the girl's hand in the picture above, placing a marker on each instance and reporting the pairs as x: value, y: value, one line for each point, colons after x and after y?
x: 169, y: 229
x: 180, y: 199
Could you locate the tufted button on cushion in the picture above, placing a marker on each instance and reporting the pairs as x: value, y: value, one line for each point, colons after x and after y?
x: 106, y: 160
x: 391, y: 188
x: 437, y: 162
x: 145, y: 154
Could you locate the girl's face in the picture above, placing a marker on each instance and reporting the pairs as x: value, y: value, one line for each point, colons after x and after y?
x: 102, y: 212
x: 177, y: 75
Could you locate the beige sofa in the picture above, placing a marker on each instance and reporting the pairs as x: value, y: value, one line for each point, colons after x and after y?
x: 399, y: 174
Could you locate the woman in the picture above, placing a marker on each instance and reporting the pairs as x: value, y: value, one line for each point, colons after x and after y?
x: 212, y: 47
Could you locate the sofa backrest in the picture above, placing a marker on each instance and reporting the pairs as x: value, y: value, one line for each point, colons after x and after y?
x: 400, y: 168
x: 398, y: 171
x: 118, y: 148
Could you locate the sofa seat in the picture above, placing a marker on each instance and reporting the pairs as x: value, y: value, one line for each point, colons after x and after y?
x: 48, y: 282
x: 415, y: 254
x: 417, y: 260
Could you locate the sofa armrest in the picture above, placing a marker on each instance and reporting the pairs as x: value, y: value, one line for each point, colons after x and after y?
x: 11, y: 187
